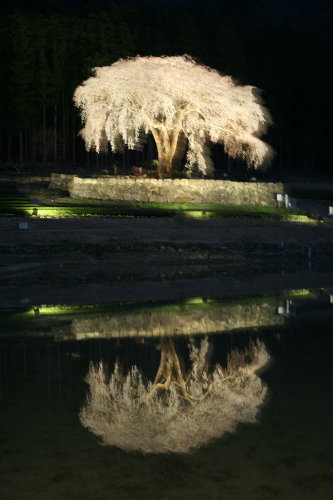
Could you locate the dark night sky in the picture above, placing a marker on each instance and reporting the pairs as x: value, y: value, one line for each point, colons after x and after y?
x: 281, y: 46
x: 281, y: 7
x: 309, y: 15
x: 313, y: 15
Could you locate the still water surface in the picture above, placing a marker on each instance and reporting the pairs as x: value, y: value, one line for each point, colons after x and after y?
x: 47, y: 446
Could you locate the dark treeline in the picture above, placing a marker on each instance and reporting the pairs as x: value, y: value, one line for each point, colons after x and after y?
x: 47, y: 50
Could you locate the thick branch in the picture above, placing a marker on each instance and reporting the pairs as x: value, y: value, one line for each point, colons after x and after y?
x: 161, y: 367
x: 166, y: 142
x: 176, y: 129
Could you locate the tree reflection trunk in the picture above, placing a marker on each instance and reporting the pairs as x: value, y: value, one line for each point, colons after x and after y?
x: 170, y: 371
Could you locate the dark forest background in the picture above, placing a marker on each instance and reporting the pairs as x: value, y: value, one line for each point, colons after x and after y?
x: 48, y: 47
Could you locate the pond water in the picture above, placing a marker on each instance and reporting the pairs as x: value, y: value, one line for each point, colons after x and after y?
x: 261, y: 429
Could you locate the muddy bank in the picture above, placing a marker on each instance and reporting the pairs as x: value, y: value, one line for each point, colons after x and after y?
x: 71, y: 263
x: 176, y: 230
x: 82, y: 261
x: 99, y: 293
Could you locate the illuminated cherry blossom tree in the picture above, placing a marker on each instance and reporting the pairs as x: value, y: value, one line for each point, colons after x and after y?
x: 177, y: 412
x: 185, y: 106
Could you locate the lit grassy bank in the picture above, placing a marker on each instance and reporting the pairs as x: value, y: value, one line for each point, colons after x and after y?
x: 23, y: 315
x: 53, y: 204
x: 130, y: 211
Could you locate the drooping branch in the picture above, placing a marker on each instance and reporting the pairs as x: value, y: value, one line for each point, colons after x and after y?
x: 163, y: 417
x: 144, y: 93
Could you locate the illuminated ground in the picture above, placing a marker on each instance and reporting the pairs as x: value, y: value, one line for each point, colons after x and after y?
x: 89, y: 260
x: 50, y: 203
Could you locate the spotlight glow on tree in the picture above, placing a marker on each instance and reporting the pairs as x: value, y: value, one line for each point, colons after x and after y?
x: 179, y: 411
x: 186, y: 106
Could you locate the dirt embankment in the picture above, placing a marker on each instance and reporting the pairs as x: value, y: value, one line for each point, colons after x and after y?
x: 104, y: 260
x: 176, y: 230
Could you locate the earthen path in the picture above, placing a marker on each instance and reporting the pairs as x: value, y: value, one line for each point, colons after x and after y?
x: 164, y: 229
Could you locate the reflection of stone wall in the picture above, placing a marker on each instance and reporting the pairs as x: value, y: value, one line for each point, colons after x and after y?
x: 168, y: 190
x: 170, y: 323
x: 60, y: 181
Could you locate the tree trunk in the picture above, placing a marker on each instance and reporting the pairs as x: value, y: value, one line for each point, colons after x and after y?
x: 55, y: 156
x: 171, y: 148
x: 33, y: 142
x: 178, y: 157
x: 9, y: 147
x: 64, y: 138
x: 74, y: 142
x: 21, y: 146
x: 44, y: 132
x: 171, y: 144
x: 26, y: 143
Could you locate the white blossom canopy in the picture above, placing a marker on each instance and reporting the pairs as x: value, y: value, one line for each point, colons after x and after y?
x: 134, y: 415
x: 174, y: 98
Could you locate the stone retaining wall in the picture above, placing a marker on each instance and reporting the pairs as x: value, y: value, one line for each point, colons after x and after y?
x: 172, y: 323
x: 170, y: 190
x: 60, y: 181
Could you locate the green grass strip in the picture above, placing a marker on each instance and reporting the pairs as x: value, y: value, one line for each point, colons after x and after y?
x: 60, y: 312
x: 52, y: 204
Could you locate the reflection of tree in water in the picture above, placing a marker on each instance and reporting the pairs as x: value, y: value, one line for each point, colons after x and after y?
x: 178, y: 411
